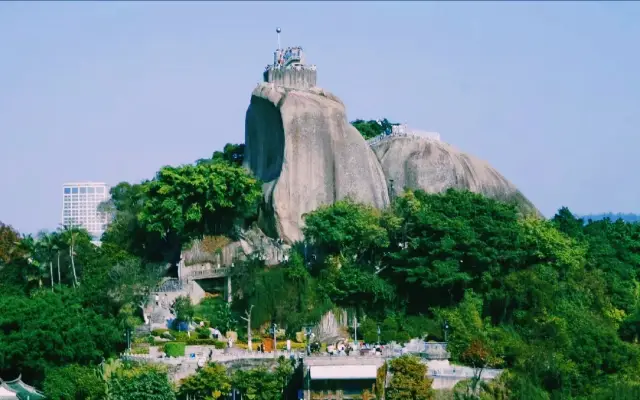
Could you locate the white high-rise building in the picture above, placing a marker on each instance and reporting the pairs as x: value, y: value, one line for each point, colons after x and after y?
x: 80, y: 201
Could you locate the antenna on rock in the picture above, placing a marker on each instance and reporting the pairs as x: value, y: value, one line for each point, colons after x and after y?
x: 278, y: 30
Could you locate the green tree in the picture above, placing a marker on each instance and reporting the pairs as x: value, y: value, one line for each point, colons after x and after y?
x: 52, y: 329
x: 283, y: 372
x: 127, y: 232
x: 473, y: 340
x: 141, y: 381
x: 346, y: 228
x: 289, y: 296
x: 454, y: 241
x: 409, y: 380
x: 8, y: 239
x: 48, y: 243
x: 257, y: 384
x: 209, y: 383
x: 74, y: 382
x: 232, y: 154
x: 194, y: 200
x: 370, y: 129
x: 184, y: 309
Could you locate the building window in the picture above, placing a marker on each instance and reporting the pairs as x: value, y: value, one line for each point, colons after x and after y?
x: 91, y: 190
x: 74, y: 190
x: 99, y: 190
x: 83, y: 190
x: 67, y: 190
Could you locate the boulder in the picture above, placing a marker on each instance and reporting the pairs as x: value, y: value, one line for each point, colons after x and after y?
x: 301, y: 146
x: 413, y: 162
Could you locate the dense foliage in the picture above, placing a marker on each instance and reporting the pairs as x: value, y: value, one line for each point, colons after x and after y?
x: 134, y: 382
x: 409, y: 381
x: 74, y: 382
x: 372, y: 128
x: 555, y: 302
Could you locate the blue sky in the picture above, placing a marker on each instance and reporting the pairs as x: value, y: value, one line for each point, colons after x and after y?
x: 547, y: 92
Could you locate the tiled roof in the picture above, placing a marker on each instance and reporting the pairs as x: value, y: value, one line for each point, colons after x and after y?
x: 21, y: 390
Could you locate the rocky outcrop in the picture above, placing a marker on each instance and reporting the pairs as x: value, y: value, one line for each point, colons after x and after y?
x: 300, y: 144
x: 411, y: 162
x: 220, y: 251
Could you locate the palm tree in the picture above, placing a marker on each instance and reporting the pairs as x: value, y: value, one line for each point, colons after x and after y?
x: 32, y: 253
x: 70, y: 233
x: 49, y: 246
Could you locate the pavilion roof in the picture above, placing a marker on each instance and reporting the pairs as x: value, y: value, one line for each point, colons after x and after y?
x: 22, y: 390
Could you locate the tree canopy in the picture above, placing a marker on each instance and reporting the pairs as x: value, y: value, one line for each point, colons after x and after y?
x: 554, y: 302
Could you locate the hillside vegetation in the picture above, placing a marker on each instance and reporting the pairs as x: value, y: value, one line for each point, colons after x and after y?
x: 555, y: 302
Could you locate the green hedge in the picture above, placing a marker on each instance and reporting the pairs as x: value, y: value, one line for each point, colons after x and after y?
x: 175, y: 349
x: 207, y: 342
x: 140, y: 350
x: 159, y: 331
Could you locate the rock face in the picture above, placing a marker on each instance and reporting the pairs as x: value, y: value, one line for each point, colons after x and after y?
x: 434, y: 166
x: 300, y: 144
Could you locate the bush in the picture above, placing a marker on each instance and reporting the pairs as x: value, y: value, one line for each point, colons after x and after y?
x: 159, y: 331
x: 207, y: 342
x: 139, y: 350
x: 203, y: 333
x: 180, y: 336
x: 73, y: 382
x: 175, y: 349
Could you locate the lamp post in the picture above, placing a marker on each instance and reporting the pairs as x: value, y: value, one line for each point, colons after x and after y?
x: 127, y: 335
x: 446, y: 328
x: 355, y: 332
x: 274, y: 328
x: 307, y: 332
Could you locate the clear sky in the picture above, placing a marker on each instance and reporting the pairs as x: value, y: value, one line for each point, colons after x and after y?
x: 547, y: 92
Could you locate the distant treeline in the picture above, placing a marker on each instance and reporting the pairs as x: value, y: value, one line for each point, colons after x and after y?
x: 629, y: 217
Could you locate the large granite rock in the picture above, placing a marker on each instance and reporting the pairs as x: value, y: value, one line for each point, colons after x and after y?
x: 300, y: 144
x: 434, y: 166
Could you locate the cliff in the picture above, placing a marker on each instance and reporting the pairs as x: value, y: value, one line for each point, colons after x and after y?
x: 434, y: 166
x: 301, y: 146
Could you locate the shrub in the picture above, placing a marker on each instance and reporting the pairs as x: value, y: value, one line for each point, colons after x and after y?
x: 159, y: 331
x: 203, y: 333
x: 175, y: 349
x: 180, y: 336
x: 140, y: 339
x: 140, y: 350
x: 207, y: 342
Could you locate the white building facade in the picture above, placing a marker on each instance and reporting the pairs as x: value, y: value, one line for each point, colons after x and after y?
x: 80, y: 201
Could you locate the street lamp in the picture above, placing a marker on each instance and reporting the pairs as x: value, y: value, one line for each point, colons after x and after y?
x: 446, y: 328
x: 127, y: 335
x: 307, y: 331
x: 274, y: 329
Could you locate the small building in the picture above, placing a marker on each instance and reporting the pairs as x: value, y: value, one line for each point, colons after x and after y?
x: 289, y: 68
x: 16, y: 389
x: 333, y: 378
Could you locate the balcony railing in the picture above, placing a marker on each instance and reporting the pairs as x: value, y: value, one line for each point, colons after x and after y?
x: 205, y: 272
